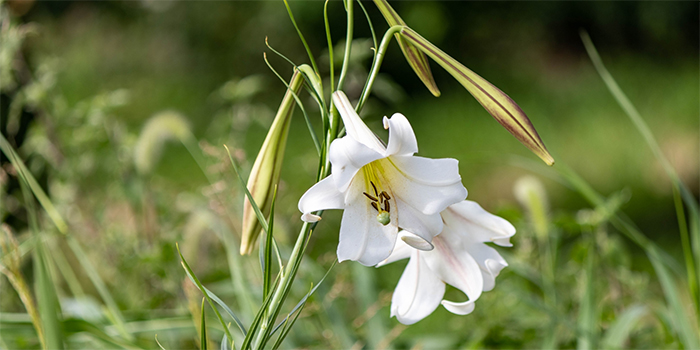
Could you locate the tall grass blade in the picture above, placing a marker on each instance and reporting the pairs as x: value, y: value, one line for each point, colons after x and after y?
x: 75, y: 326
x: 619, y: 331
x: 203, y: 342
x: 224, y: 343
x: 47, y: 300
x: 495, y: 101
x: 692, y: 259
x: 62, y: 227
x: 661, y: 261
x: 190, y: 274
x: 303, y: 300
x: 267, y: 266
x: 157, y: 342
x: 587, y: 309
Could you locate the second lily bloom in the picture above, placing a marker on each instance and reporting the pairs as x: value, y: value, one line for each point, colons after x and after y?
x: 382, y: 189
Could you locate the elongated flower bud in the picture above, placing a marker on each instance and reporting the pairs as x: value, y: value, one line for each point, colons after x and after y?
x: 497, y: 103
x: 415, y: 57
x: 268, y: 164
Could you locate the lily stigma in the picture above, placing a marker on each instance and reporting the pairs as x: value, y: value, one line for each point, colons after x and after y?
x: 382, y: 188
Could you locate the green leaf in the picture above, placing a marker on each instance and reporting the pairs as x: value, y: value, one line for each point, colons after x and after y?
x: 47, y: 300
x: 74, y: 326
x: 201, y: 288
x: 497, y: 103
x: 203, y: 343
x: 415, y: 57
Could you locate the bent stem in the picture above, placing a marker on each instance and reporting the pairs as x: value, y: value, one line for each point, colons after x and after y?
x: 378, y: 58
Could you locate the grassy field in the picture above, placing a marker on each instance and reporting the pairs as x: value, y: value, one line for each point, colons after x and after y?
x: 85, y: 79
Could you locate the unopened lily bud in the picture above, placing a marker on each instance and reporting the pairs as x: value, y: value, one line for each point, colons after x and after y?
x: 530, y: 192
x: 415, y: 57
x: 266, y: 170
x: 495, y: 101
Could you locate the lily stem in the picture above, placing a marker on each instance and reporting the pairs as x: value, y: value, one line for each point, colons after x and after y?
x: 378, y: 58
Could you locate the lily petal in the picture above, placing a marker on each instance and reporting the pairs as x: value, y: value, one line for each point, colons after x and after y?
x: 463, y: 308
x: 453, y: 265
x: 321, y: 196
x: 402, y: 139
x: 347, y: 156
x: 354, y: 126
x: 401, y: 250
x: 481, y: 225
x: 428, y: 185
x: 421, y: 226
x: 490, y: 262
x: 362, y: 237
x: 418, y: 292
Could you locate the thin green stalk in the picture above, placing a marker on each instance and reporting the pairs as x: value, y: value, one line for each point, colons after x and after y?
x: 369, y: 22
x: 693, y: 272
x: 378, y: 58
x: 288, y: 275
x: 301, y: 36
x: 330, y: 46
x: 348, y: 45
x: 67, y: 272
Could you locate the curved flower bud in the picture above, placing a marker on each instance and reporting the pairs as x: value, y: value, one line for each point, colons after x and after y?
x: 495, y: 101
x: 460, y: 258
x: 382, y: 189
x: 268, y: 164
x: 416, y: 59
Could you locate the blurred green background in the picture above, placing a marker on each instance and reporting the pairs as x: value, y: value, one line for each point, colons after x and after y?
x: 93, y: 73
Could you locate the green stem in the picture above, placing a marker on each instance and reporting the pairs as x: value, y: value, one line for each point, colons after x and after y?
x: 378, y: 58
x: 348, y: 46
x: 287, y: 278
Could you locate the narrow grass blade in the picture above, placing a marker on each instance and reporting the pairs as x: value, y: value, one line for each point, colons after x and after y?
x: 62, y: 227
x: 619, y: 331
x: 257, y: 321
x: 115, y: 314
x: 497, y: 103
x: 203, y: 342
x: 75, y: 326
x: 224, y: 343
x: 220, y: 302
x: 415, y: 57
x: 303, y: 300
x: 682, y: 323
x: 157, y: 342
x: 691, y: 259
x: 201, y: 288
x: 267, y: 266
x: 287, y: 326
x: 301, y: 36
x: 587, y: 306
x: 33, y: 185
x: 47, y: 300
x: 689, y: 337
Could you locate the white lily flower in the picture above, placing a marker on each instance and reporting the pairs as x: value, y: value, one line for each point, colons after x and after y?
x: 460, y: 258
x: 382, y: 188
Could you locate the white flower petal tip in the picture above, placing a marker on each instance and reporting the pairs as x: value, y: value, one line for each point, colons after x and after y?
x: 464, y: 308
x: 415, y: 241
x: 460, y: 258
x: 308, y: 217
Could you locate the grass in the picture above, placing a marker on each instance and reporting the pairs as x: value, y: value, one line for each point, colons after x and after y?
x: 597, y: 267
